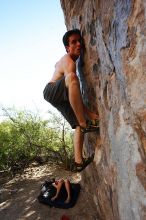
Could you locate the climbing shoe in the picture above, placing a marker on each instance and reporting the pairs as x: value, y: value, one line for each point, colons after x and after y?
x: 92, y: 126
x: 78, y: 167
x: 93, y: 122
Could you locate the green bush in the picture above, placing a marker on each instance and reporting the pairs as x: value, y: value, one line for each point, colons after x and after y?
x: 25, y: 137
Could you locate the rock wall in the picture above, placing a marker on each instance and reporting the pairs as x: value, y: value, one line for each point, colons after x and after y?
x: 112, y: 71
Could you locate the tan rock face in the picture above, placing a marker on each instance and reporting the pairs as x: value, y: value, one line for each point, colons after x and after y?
x: 112, y: 71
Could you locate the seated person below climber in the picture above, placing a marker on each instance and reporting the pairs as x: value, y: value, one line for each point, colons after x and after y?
x: 58, y: 184
x: 63, y: 92
x: 59, y: 193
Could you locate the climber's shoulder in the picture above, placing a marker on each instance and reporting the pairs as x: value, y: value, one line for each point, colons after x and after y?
x: 67, y: 59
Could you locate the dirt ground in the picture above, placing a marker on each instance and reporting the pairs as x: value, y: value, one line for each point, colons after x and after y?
x: 18, y: 196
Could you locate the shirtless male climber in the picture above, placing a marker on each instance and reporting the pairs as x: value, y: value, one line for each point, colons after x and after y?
x: 63, y: 92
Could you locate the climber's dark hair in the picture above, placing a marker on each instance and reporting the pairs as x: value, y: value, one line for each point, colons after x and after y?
x: 69, y: 33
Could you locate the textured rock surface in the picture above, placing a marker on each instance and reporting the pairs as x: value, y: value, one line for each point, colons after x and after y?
x: 112, y: 71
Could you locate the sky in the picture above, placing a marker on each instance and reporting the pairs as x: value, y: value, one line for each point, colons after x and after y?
x: 30, y: 44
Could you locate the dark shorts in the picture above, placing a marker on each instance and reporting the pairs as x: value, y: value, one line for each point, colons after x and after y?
x: 56, y: 93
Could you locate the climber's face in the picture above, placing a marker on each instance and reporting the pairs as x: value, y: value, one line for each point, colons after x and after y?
x: 74, y: 45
